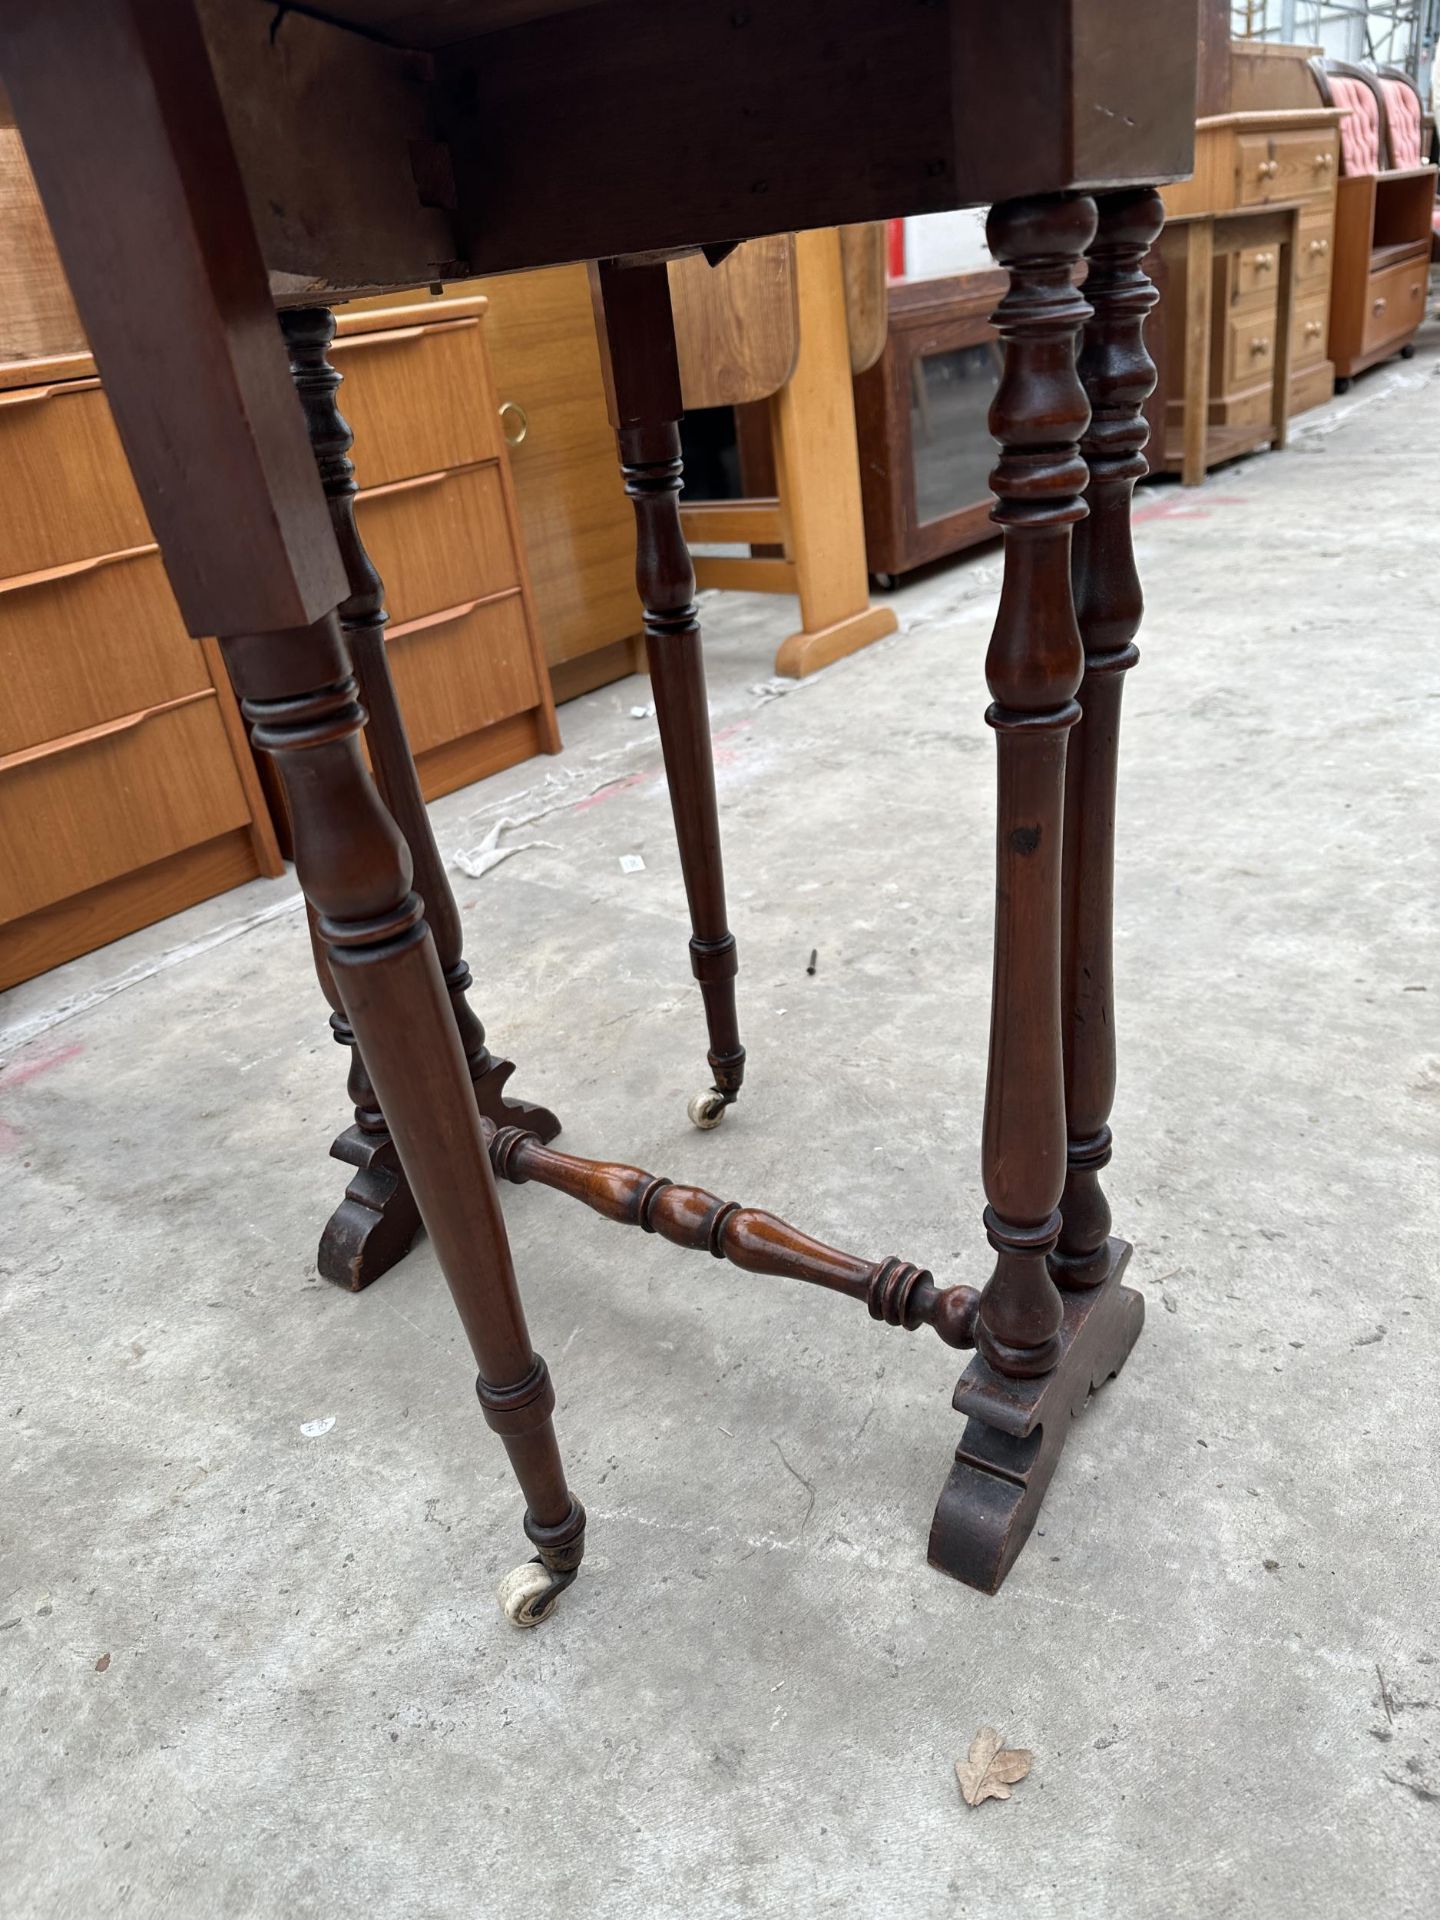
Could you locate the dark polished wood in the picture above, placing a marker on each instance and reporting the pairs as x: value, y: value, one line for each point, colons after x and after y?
x: 1042, y: 1353
x: 599, y: 131
x: 127, y: 128
x: 1118, y: 376
x: 377, y: 1220
x: 642, y: 383
x: 1033, y: 669
x: 1016, y: 1431
x: 895, y: 1291
x: 353, y: 862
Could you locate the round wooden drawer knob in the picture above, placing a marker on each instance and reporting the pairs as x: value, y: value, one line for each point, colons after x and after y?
x: 1268, y: 169
x: 1319, y: 246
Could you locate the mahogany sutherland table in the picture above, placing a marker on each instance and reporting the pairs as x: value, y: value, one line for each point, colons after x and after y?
x: 202, y: 164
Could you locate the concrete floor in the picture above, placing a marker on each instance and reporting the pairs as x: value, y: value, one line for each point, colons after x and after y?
x: 248, y: 1671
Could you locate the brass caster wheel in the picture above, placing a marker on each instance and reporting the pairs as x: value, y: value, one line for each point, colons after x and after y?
x: 529, y: 1594
x: 707, y: 1109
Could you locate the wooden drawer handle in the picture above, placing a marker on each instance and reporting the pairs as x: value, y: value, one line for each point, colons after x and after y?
x: 447, y: 614
x: 396, y: 336
x: 424, y: 620
x: 1379, y: 306
x: 1324, y: 160
x: 1312, y: 327
x: 72, y: 568
x: 1318, y: 247
x: 406, y: 486
x: 1259, y: 344
x: 1268, y: 169
x: 27, y: 396
x: 389, y: 337
x: 106, y: 730
x: 1264, y: 261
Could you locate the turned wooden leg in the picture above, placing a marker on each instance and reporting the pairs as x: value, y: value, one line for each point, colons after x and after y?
x: 637, y: 342
x: 1040, y: 1356
x: 354, y: 865
x: 376, y: 1222
x: 1118, y: 376
x: 1033, y: 669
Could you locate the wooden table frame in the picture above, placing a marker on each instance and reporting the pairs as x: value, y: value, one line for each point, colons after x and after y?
x: 1206, y: 236
x: 178, y: 164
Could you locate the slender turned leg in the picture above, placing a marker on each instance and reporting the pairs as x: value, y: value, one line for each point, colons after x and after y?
x: 637, y: 343
x: 1033, y: 669
x: 376, y: 1222
x: 355, y: 868
x: 1040, y: 1356
x: 1118, y: 377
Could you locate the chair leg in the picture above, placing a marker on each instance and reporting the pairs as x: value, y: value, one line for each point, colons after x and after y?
x: 376, y: 1222
x: 637, y: 343
x: 354, y: 866
x: 1040, y: 1354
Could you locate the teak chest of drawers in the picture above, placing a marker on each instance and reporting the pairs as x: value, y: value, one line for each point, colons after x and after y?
x: 127, y: 785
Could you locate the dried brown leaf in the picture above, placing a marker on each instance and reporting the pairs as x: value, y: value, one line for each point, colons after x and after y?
x: 991, y: 1768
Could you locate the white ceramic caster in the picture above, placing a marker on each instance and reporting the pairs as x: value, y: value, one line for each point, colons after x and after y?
x: 529, y: 1594
x: 707, y: 1109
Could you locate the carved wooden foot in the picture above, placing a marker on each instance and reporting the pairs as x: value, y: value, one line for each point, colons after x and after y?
x: 1017, y: 1431
x: 377, y: 1222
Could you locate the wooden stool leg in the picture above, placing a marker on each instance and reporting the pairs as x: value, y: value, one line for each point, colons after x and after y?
x: 376, y: 1222
x: 355, y: 868
x: 642, y: 377
x: 1118, y: 376
x: 1039, y: 1358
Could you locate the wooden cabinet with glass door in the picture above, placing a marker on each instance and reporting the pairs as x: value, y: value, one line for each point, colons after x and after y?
x: 922, y: 416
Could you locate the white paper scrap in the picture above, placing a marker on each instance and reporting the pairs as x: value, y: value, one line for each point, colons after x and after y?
x: 631, y: 863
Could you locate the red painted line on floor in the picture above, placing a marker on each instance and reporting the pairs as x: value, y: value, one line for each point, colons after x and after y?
x: 25, y: 1071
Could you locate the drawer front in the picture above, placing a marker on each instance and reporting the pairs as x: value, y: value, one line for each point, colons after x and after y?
x: 1394, y: 302
x: 1310, y: 330
x: 418, y: 400
x: 464, y: 671
x: 1257, y: 270
x: 1284, y: 166
x: 1249, y: 350
x: 68, y: 491
x: 1316, y: 248
x: 439, y: 541
x: 83, y: 646
x: 93, y: 809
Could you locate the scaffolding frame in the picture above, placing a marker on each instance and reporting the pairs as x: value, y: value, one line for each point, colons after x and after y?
x: 1393, y: 33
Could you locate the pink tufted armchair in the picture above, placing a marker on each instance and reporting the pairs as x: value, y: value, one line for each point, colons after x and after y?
x: 1384, y: 209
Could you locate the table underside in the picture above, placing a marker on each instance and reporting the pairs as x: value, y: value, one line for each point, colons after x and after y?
x: 483, y: 136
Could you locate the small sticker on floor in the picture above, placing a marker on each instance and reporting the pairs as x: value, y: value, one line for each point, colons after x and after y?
x: 631, y: 863
x: 312, y: 1429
